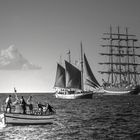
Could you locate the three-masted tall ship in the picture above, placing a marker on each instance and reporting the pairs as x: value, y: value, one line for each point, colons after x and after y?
x: 122, y: 66
x: 69, y: 80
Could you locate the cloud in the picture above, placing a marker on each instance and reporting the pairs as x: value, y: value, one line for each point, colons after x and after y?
x: 12, y: 59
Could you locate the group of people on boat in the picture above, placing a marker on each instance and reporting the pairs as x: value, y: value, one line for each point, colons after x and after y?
x: 26, y: 107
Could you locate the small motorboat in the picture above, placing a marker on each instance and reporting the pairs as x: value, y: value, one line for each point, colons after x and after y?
x: 37, y: 117
x: 26, y: 119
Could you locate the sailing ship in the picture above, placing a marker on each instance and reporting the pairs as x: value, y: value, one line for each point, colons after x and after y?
x: 122, y: 66
x: 69, y: 81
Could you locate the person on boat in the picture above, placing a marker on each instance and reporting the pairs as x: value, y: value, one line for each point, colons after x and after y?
x: 30, y: 104
x: 40, y: 107
x: 23, y: 104
x: 50, y: 108
x: 17, y: 105
x: 17, y: 100
x: 15, y: 91
x: 8, y: 103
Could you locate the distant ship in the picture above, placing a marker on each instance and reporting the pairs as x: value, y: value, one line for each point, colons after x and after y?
x: 122, y: 67
x: 69, y: 81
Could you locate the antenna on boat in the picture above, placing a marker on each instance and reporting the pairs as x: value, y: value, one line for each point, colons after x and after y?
x: 82, y: 87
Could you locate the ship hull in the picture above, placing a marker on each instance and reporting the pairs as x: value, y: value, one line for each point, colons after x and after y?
x: 83, y: 95
x: 117, y: 91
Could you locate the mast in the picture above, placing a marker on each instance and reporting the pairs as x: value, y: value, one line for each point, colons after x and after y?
x: 69, y: 56
x: 82, y: 85
x: 119, y: 52
x: 122, y: 58
x: 134, y: 61
x: 60, y: 60
x: 111, y: 52
x: 127, y: 51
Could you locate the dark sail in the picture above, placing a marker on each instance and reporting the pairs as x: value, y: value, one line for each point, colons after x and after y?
x: 91, y: 84
x: 73, y: 76
x: 60, y: 80
x: 91, y: 78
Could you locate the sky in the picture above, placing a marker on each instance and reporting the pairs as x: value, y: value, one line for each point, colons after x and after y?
x: 35, y: 33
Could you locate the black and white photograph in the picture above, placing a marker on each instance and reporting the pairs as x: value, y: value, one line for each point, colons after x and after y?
x: 69, y: 70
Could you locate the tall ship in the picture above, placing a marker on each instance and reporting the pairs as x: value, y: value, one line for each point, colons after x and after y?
x: 69, y: 81
x: 120, y: 66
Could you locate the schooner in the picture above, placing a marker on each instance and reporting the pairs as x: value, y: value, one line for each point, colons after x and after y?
x: 122, y: 66
x: 69, y: 80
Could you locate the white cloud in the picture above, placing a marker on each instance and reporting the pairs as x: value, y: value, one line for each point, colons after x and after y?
x: 12, y: 59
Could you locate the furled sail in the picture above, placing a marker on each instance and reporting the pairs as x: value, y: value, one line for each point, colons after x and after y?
x: 73, y: 76
x: 91, y: 80
x: 60, y: 80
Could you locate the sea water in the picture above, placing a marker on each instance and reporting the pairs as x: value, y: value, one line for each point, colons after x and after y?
x: 100, y: 118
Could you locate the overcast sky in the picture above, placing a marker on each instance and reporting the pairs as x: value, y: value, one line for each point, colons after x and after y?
x: 35, y: 33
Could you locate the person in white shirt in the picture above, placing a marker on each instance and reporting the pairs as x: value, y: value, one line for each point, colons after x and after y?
x: 30, y: 104
x: 8, y: 103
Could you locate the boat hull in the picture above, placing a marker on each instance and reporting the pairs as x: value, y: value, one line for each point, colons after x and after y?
x: 24, y: 119
x: 99, y: 91
x: 74, y: 96
x: 117, y: 91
